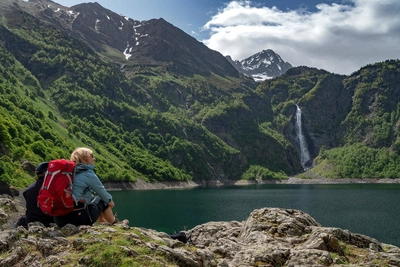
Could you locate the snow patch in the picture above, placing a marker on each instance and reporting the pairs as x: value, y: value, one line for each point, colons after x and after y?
x: 138, y: 35
x: 261, y: 77
x: 126, y: 54
x: 73, y: 14
x: 268, y: 62
x: 96, y: 26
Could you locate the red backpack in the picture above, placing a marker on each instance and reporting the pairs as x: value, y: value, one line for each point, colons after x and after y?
x: 55, y: 196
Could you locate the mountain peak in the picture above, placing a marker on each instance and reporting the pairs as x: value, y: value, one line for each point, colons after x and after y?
x: 262, y: 65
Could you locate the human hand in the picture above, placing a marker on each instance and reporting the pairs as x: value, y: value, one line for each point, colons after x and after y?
x: 111, y: 204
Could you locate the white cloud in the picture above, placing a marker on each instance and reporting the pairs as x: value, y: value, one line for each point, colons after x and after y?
x: 340, y: 38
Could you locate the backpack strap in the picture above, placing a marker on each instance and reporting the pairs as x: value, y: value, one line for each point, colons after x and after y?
x: 51, y: 179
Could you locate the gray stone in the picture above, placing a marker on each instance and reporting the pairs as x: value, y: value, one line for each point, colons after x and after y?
x: 180, y: 256
x: 269, y: 237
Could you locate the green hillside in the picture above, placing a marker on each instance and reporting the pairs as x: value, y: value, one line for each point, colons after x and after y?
x: 58, y: 94
x: 156, y: 120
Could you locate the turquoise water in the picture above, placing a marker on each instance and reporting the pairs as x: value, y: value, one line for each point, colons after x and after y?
x: 369, y: 209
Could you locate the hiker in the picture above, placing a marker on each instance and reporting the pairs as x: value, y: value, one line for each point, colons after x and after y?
x: 33, y: 213
x: 89, y: 208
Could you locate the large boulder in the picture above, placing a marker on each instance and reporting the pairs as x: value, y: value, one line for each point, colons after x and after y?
x: 287, y: 237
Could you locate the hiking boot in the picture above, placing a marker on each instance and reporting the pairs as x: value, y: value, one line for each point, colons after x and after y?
x: 116, y: 220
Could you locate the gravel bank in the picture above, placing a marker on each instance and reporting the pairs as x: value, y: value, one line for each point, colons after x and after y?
x: 142, y: 185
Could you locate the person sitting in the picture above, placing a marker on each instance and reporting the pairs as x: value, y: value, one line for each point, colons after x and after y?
x: 33, y: 213
x: 89, y: 208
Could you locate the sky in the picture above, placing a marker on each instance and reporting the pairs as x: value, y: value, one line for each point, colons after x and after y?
x: 340, y: 36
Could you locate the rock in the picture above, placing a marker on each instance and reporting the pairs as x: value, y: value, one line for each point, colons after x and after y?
x: 269, y: 237
x: 280, y: 237
x: 4, y: 189
x: 28, y: 167
x: 14, y: 257
x: 283, y: 221
x: 180, y: 256
x: 130, y: 252
x: 207, y: 258
x: 45, y: 246
x: 3, y: 216
x: 69, y: 230
x: 309, y: 257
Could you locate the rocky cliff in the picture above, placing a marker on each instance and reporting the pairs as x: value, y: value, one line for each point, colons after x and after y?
x: 269, y: 237
x: 323, y: 100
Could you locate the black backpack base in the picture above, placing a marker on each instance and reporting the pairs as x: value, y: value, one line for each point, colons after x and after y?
x: 181, y: 236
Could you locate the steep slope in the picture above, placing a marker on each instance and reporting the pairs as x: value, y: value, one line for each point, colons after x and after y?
x: 247, y: 126
x: 143, y: 42
x: 372, y: 143
x: 323, y: 100
x: 132, y: 120
x: 160, y: 58
x: 374, y: 116
x: 99, y: 107
x: 156, y: 104
x: 350, y: 124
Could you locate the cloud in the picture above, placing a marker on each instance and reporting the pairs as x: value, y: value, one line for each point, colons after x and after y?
x: 340, y: 38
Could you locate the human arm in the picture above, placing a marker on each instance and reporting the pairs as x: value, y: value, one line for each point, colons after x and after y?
x: 111, y: 204
x: 97, y: 186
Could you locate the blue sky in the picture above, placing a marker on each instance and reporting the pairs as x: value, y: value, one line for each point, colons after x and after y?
x: 340, y: 36
x: 188, y: 15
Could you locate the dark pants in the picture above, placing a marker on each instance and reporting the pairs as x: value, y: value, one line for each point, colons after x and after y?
x: 83, y: 214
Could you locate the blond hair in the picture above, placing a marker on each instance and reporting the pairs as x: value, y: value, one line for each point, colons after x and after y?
x: 81, y: 155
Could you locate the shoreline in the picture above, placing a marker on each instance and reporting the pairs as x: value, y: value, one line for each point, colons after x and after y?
x: 142, y: 185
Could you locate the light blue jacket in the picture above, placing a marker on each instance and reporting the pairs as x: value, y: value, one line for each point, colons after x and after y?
x: 86, y: 183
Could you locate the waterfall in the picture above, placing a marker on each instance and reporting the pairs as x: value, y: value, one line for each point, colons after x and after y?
x: 182, y: 99
x: 304, y: 154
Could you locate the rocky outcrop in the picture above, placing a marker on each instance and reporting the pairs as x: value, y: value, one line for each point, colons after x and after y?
x: 269, y: 237
x: 282, y: 237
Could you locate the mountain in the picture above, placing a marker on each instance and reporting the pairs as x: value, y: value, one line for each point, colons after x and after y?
x: 350, y: 123
x: 155, y: 104
x: 144, y: 114
x: 261, y: 66
x: 145, y: 42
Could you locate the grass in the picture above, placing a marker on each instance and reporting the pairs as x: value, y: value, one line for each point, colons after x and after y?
x: 337, y: 258
x: 323, y: 168
x: 119, y: 248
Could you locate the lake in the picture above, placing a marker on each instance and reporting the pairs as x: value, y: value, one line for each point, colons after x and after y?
x: 369, y: 209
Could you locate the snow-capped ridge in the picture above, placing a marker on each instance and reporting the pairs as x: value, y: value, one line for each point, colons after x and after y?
x: 155, y: 41
x: 262, y: 65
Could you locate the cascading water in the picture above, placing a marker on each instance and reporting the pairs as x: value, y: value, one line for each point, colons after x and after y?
x: 304, y: 154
